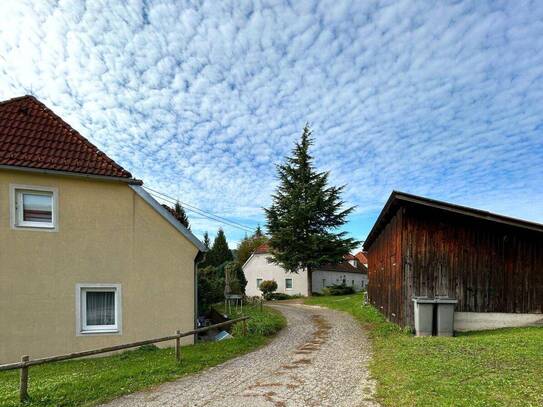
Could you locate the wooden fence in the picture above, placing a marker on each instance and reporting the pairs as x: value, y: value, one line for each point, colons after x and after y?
x: 26, y: 362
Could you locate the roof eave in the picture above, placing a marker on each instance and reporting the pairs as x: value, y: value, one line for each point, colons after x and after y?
x: 128, y: 180
x: 449, y: 207
x: 374, y: 230
x: 138, y: 189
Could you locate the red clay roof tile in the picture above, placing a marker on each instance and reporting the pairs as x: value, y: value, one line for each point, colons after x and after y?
x: 262, y: 249
x: 32, y: 136
x: 361, y: 257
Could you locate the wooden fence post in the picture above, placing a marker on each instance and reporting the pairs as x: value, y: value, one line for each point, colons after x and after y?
x: 244, y: 327
x: 23, y: 381
x: 178, y: 346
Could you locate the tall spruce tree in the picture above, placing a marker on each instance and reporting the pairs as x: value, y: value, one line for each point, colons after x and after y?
x: 219, y: 252
x: 305, y: 215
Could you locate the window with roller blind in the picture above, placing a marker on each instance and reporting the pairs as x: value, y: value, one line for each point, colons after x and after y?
x: 34, y: 207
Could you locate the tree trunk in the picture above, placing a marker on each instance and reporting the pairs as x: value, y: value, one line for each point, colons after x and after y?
x: 309, y: 281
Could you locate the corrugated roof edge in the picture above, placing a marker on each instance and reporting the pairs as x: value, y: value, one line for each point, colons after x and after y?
x: 168, y: 216
x: 446, y: 206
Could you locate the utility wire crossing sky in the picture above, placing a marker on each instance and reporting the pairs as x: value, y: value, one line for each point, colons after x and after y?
x: 441, y: 99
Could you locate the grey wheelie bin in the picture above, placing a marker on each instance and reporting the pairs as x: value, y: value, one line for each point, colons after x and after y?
x: 445, y: 316
x: 424, y: 315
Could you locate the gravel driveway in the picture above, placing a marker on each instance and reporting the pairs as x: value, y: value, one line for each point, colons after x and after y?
x: 320, y: 359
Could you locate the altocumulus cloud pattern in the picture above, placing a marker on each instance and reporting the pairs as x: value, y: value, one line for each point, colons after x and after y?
x: 442, y: 98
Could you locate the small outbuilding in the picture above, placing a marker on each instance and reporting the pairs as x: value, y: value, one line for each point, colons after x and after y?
x: 491, y: 264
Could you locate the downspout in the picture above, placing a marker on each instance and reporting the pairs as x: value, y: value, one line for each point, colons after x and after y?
x: 197, y: 260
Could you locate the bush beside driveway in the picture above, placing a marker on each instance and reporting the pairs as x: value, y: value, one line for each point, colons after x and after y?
x: 488, y: 368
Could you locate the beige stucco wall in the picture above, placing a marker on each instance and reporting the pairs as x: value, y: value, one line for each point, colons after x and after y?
x: 106, y: 234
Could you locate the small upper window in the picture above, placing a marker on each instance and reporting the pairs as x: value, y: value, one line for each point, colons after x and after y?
x: 258, y: 282
x: 34, y: 208
x: 288, y: 283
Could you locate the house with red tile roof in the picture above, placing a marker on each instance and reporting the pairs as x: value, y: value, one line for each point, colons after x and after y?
x: 258, y: 268
x: 361, y: 257
x: 88, y: 258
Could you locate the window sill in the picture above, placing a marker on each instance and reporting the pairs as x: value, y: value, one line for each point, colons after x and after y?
x: 48, y: 228
x: 99, y: 331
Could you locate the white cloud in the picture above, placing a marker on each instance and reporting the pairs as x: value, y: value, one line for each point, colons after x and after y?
x: 201, y: 102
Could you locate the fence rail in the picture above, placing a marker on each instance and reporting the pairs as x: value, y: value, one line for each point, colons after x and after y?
x: 26, y: 362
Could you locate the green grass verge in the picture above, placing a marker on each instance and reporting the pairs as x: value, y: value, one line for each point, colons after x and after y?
x: 88, y: 382
x: 488, y: 368
x: 262, y: 323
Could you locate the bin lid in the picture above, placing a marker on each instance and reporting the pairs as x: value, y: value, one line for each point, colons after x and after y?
x: 445, y: 300
x: 423, y: 300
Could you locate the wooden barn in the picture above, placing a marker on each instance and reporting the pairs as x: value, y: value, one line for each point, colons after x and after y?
x: 492, y: 264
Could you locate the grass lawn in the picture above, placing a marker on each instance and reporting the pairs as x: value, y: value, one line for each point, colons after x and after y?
x: 91, y: 381
x: 488, y: 368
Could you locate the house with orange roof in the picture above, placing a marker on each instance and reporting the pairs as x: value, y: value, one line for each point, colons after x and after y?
x: 361, y: 257
x: 258, y: 268
x: 88, y: 258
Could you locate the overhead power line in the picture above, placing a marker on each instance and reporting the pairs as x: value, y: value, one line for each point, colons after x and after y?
x: 199, y: 211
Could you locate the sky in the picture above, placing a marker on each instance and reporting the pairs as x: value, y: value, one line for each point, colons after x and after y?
x: 200, y: 100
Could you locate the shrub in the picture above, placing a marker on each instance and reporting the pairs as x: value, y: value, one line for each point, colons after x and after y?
x: 266, y: 322
x: 279, y: 296
x: 282, y: 296
x: 268, y: 287
x: 210, y: 287
x: 338, y: 289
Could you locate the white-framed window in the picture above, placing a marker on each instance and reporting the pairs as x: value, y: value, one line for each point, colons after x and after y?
x: 352, y: 283
x: 258, y: 282
x: 288, y: 283
x: 323, y: 282
x: 34, y: 207
x: 98, y: 308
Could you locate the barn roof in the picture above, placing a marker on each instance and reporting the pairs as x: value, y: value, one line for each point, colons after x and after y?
x: 397, y: 199
x: 343, y: 267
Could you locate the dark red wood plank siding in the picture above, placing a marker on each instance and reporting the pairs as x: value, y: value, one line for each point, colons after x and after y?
x: 385, y: 289
x: 487, y: 266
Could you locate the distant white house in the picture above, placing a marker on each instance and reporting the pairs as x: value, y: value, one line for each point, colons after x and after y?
x: 257, y: 269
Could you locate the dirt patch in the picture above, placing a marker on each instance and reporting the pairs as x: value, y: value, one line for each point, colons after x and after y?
x: 320, y: 336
